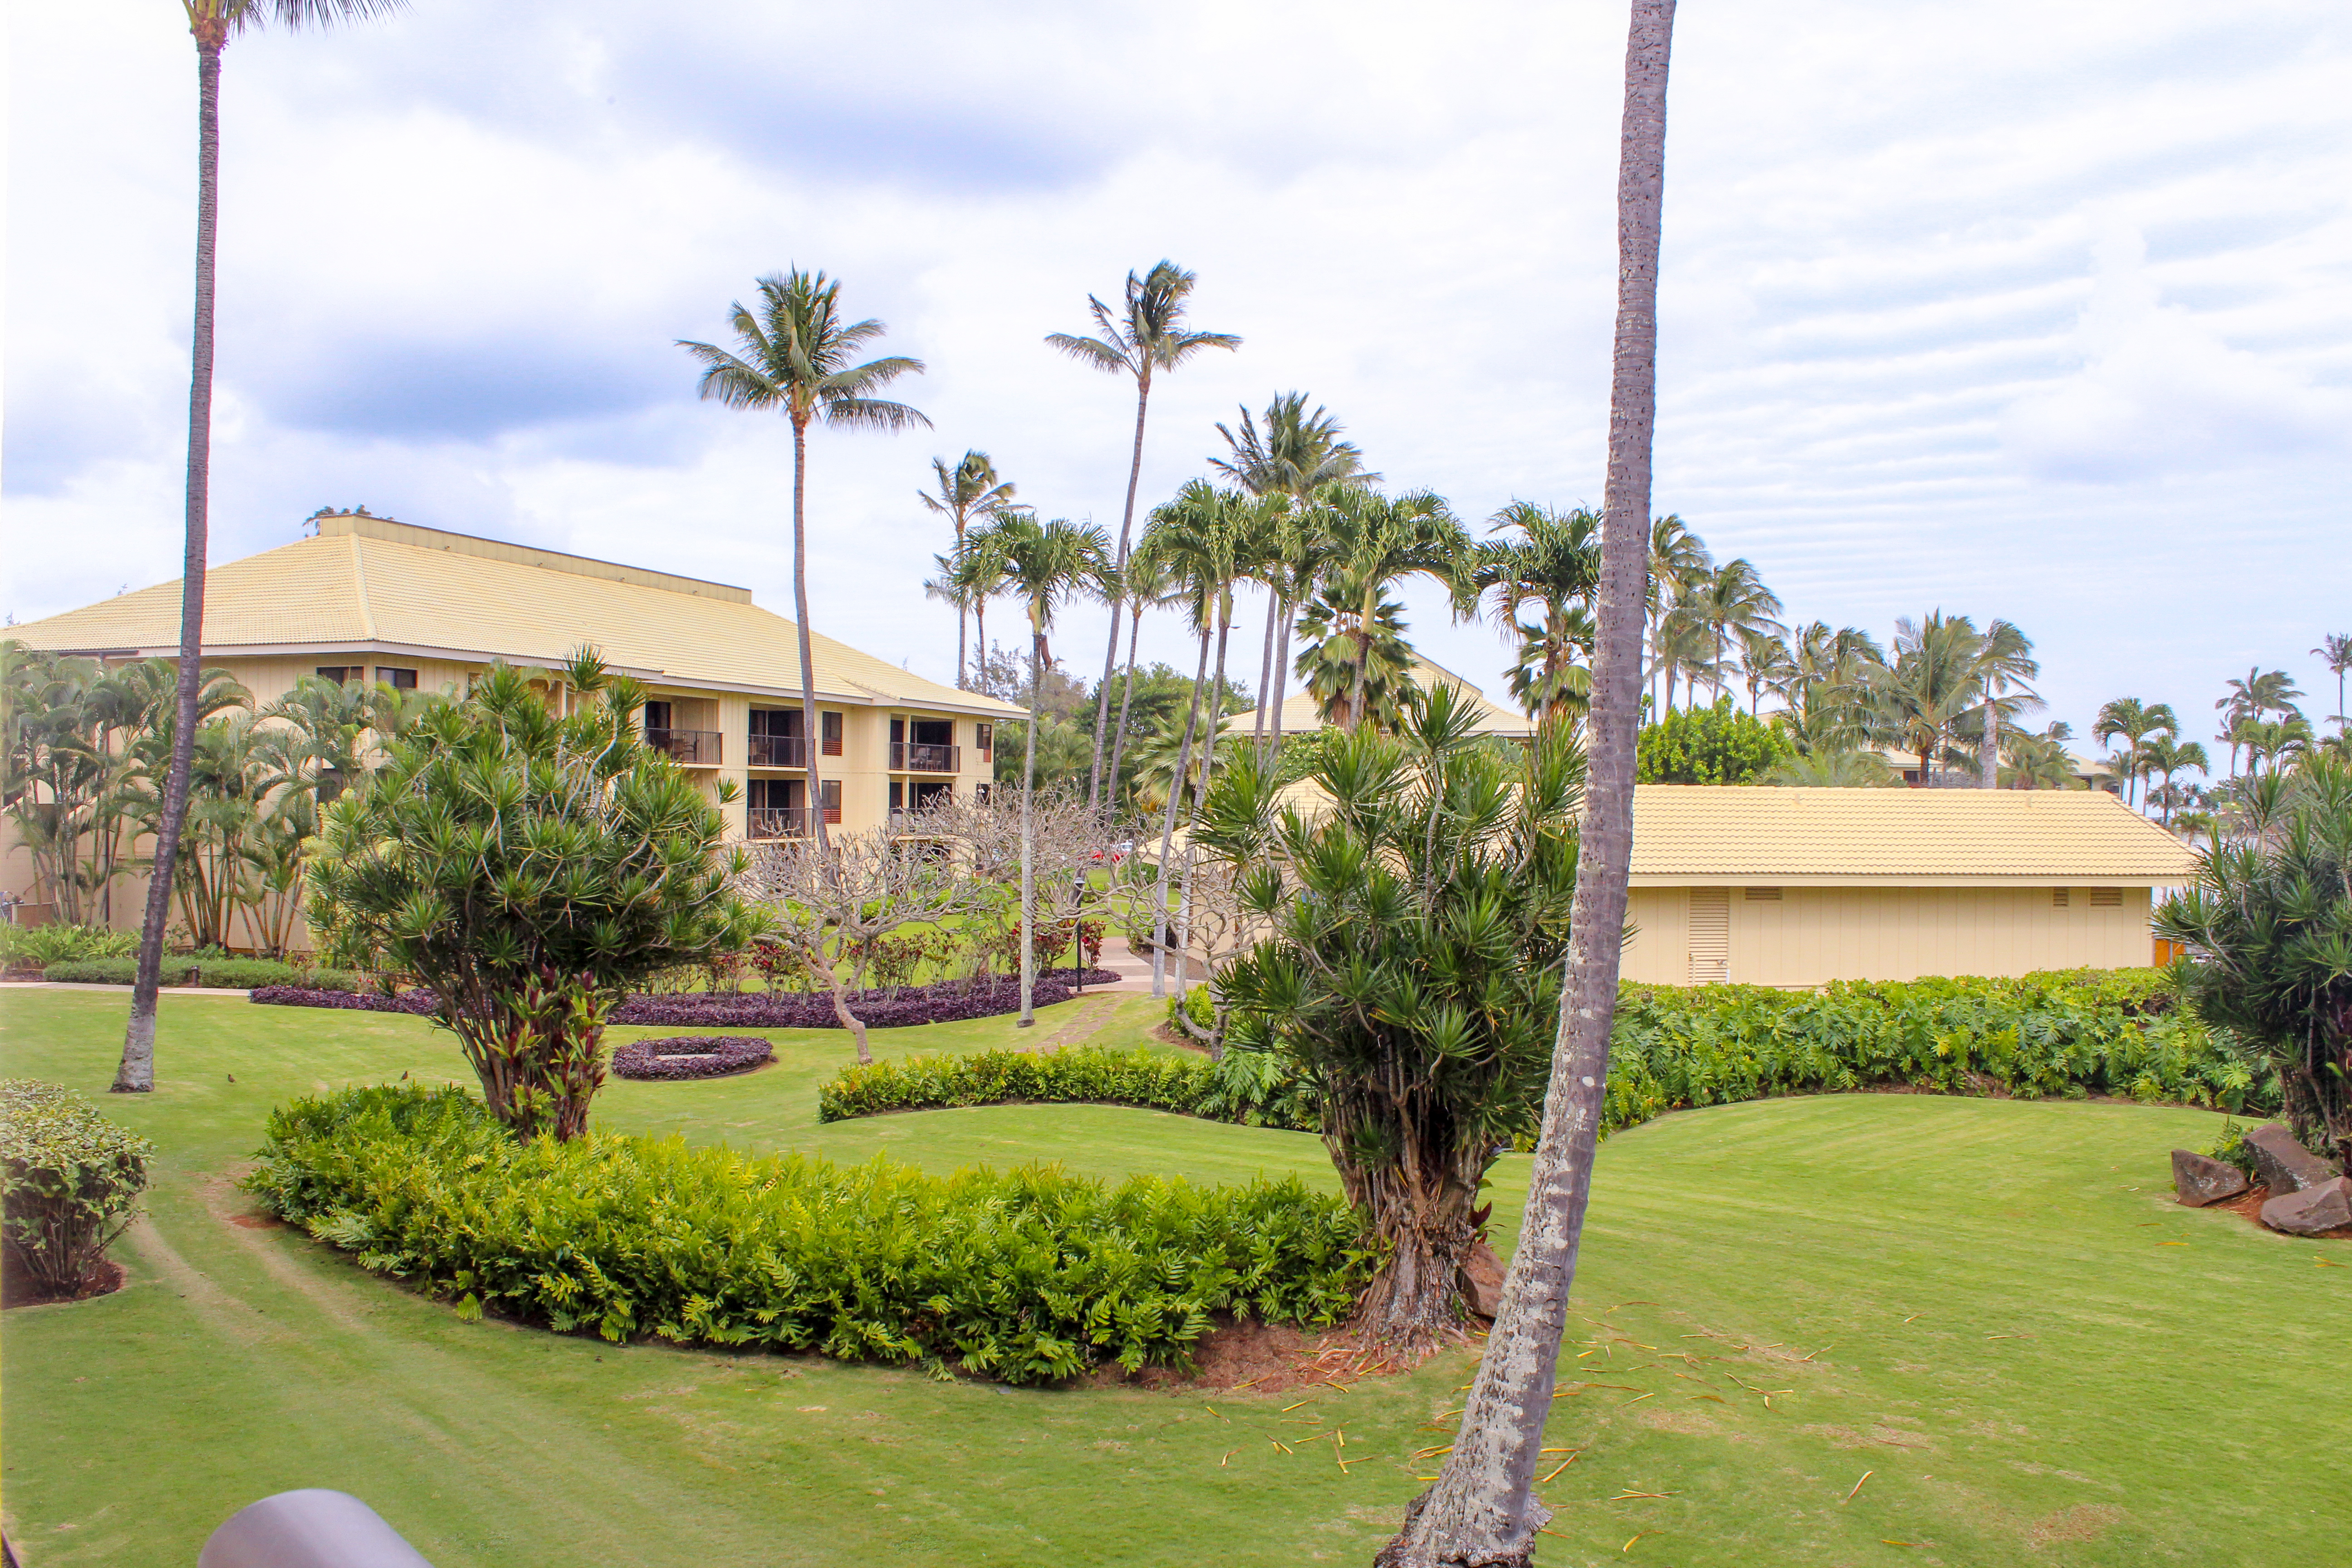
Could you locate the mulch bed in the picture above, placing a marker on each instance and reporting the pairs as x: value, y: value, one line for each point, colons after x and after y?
x: 104, y: 1281
x: 908, y: 1005
x: 1250, y: 1357
x: 2248, y: 1206
x: 674, y: 1056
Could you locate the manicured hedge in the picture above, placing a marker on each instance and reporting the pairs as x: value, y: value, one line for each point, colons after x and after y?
x: 679, y: 1056
x: 70, y: 1182
x: 221, y: 973
x: 1028, y: 1276
x: 2072, y: 1033
x: 909, y: 1005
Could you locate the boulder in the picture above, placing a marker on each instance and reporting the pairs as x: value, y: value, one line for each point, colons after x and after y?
x: 2201, y: 1180
x: 2328, y: 1206
x: 1481, y: 1279
x: 2285, y: 1165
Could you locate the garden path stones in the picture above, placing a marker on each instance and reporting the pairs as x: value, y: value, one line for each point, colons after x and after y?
x: 2201, y: 1180
x: 2285, y: 1166
x: 2324, y: 1206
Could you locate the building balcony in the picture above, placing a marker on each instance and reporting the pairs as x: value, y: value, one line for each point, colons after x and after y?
x: 695, y: 748
x: 779, y: 752
x: 917, y: 757
x: 776, y: 822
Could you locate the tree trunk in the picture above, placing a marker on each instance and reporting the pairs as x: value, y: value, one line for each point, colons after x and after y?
x: 1265, y: 671
x: 963, y: 619
x: 1281, y: 678
x: 1988, y: 754
x: 136, y: 1074
x: 1482, y: 1511
x: 1029, y: 832
x: 829, y: 976
x: 1126, y: 696
x: 1125, y: 526
x: 1168, y: 828
x: 1201, y: 794
x: 1423, y: 1205
x: 813, y: 734
x: 1363, y: 657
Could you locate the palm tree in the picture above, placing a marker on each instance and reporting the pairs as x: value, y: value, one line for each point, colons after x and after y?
x: 211, y: 21
x: 2260, y: 692
x: 2005, y: 660
x: 1552, y: 562
x: 1832, y: 769
x: 2164, y: 755
x: 1348, y: 678
x: 1044, y: 566
x: 1148, y: 336
x: 2335, y: 648
x: 1375, y: 541
x: 1768, y: 665
x: 1732, y: 601
x: 1918, y: 700
x: 1299, y: 457
x: 1677, y: 559
x: 1481, y: 1508
x: 2133, y: 721
x: 1682, y: 646
x: 2273, y: 741
x: 795, y: 356
x: 970, y: 490
x: 1143, y: 583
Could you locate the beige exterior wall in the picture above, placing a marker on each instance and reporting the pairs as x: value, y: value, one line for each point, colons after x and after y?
x: 1809, y: 936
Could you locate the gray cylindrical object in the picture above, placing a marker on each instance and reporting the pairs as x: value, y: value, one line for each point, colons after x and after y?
x: 308, y: 1529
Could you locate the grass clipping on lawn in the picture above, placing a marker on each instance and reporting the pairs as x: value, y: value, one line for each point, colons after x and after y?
x: 1028, y: 1276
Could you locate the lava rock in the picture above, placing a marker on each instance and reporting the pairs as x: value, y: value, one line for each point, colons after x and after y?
x: 2201, y: 1180
x: 1481, y: 1279
x: 2285, y: 1166
x: 2326, y: 1206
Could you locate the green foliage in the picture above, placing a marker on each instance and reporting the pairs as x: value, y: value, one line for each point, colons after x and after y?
x: 39, y: 946
x: 528, y: 867
x: 1718, y: 745
x: 1029, y: 1276
x: 70, y: 1182
x: 1197, y: 1003
x: 1247, y: 1087
x: 2065, y: 1034
x: 2268, y: 930
x: 211, y: 973
x: 2230, y: 1149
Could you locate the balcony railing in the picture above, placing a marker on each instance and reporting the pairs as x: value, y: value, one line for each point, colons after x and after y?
x: 777, y: 821
x: 695, y: 748
x: 917, y: 757
x: 779, y: 752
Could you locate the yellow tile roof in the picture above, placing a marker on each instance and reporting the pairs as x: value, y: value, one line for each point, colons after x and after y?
x: 371, y: 581
x: 1300, y: 713
x: 1686, y: 835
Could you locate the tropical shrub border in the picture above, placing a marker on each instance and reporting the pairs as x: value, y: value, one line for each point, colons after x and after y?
x: 1027, y: 1275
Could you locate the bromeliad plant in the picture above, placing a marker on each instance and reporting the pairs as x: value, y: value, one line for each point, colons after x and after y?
x: 527, y: 868
x: 1412, y: 972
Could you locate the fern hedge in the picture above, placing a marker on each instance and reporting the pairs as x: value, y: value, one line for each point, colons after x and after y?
x: 1026, y: 1275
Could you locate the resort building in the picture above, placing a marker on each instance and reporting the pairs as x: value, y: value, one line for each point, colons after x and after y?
x: 1800, y: 887
x: 367, y: 598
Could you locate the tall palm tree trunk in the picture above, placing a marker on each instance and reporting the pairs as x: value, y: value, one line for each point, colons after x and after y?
x: 1167, y: 828
x: 963, y: 618
x: 1265, y: 670
x: 1482, y: 1509
x: 812, y: 742
x: 136, y: 1074
x: 1029, y: 832
x: 1281, y: 678
x: 1201, y: 794
x: 1126, y: 696
x: 1110, y: 648
x: 1988, y: 760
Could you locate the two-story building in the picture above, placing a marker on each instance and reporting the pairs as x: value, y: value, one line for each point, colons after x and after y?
x: 368, y: 598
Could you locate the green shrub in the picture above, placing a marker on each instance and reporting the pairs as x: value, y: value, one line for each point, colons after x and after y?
x: 72, y: 1181
x: 1196, y: 1004
x: 38, y: 946
x: 1028, y: 1276
x: 224, y: 974
x: 2230, y: 1150
x: 1718, y: 745
x: 1247, y: 1087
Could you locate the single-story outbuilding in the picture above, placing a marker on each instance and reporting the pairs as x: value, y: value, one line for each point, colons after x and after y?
x: 1800, y: 887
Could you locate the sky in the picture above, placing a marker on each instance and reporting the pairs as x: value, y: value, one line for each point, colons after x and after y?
x: 2003, y: 310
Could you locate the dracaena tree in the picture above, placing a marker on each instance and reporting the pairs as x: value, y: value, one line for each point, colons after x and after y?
x: 528, y: 867
x: 1419, y: 916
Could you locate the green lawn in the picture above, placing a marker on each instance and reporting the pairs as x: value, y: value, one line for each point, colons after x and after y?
x: 1993, y: 1307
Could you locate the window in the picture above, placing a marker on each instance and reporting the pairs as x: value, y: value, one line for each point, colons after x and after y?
x: 897, y: 795
x: 829, y: 799
x: 341, y: 673
x: 656, y: 716
x: 775, y: 722
x: 983, y: 737
x: 1763, y: 895
x: 831, y: 733
x: 933, y: 732
x: 2106, y: 897
x: 398, y: 679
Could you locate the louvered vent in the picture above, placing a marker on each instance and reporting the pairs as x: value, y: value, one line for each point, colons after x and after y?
x: 2106, y: 897
x: 2057, y: 898
x: 1710, y: 936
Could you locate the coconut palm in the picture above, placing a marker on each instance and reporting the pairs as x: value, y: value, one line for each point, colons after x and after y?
x: 2004, y: 664
x: 2260, y: 693
x: 1299, y: 457
x: 1377, y: 540
x: 1550, y: 561
x: 1044, y: 565
x: 1148, y: 335
x: 2336, y: 649
x: 1683, y: 644
x: 2038, y: 761
x: 1827, y: 690
x: 970, y: 490
x: 2129, y: 720
x: 1677, y: 558
x: 213, y: 23
x: 2273, y: 741
x: 1482, y: 1508
x: 795, y: 354
x: 1919, y: 700
x: 1143, y: 583
x: 1767, y: 664
x: 1730, y: 601
x: 2165, y: 754
x: 1832, y: 769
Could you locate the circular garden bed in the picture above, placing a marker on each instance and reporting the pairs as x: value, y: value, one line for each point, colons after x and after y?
x: 690, y: 1056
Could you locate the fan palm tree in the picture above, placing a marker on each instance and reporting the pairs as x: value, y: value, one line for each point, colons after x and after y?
x: 213, y: 23
x: 1377, y: 540
x: 795, y: 354
x: 1299, y: 457
x: 1044, y: 565
x: 968, y: 491
x: 1550, y: 561
x: 1482, y: 1508
x: 2335, y: 648
x: 2129, y: 720
x: 1148, y: 336
x: 1678, y: 558
x: 2163, y: 755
